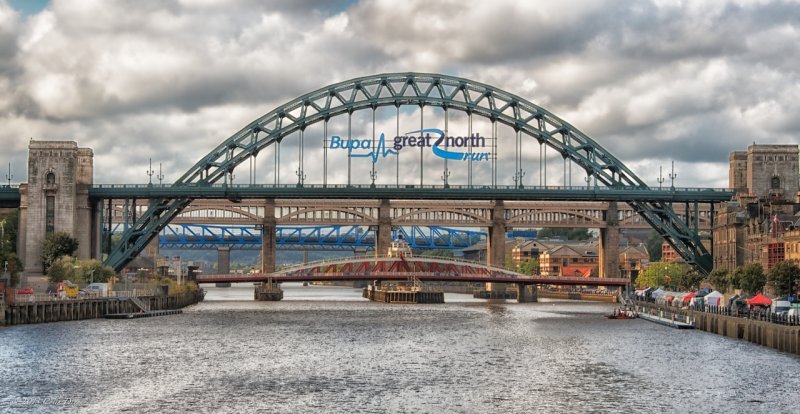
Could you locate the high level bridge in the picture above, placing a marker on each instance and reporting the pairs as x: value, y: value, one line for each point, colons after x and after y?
x: 384, y: 150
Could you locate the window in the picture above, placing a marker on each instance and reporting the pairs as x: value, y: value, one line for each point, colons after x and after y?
x: 50, y: 208
x: 775, y: 183
x: 50, y: 178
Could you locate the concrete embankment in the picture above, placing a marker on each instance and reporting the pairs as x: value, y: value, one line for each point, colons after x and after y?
x: 597, y: 297
x: 19, y: 313
x: 781, y: 337
x: 784, y: 338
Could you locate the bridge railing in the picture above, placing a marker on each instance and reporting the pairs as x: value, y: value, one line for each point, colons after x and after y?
x: 415, y: 186
x: 367, y: 258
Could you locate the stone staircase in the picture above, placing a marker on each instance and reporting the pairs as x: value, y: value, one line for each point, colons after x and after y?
x: 144, y: 307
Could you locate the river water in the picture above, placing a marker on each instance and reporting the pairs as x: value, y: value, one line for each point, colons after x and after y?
x: 325, y: 349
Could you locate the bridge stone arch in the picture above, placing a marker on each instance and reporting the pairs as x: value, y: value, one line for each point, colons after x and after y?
x: 344, y: 216
x: 422, y: 216
x: 555, y: 217
x: 415, y: 89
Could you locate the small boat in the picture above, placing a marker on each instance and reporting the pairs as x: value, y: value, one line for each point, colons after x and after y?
x: 622, y: 313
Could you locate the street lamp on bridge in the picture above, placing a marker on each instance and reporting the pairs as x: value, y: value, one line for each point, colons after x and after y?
x: 9, y: 176
x: 672, y: 176
x: 150, y: 172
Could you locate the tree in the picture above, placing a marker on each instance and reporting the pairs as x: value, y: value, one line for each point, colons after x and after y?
x: 688, y: 280
x: 9, y: 224
x: 719, y: 278
x: 56, y: 245
x: 529, y: 267
x: 566, y: 233
x: 749, y: 278
x: 783, y: 278
x: 11, y: 263
x: 61, y: 269
x: 661, y: 274
x: 653, y: 244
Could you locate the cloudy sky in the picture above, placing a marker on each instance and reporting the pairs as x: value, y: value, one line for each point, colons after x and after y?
x: 652, y: 81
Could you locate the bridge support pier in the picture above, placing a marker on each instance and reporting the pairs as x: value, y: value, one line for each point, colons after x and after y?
x: 268, y: 237
x: 55, y: 199
x: 384, y: 237
x: 527, y: 293
x: 496, y: 248
x: 609, y: 244
x: 223, y: 260
x: 268, y: 292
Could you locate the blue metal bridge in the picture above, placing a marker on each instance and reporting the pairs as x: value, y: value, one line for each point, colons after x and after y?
x: 197, y: 237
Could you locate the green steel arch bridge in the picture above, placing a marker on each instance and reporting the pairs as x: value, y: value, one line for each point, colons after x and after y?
x: 531, y: 130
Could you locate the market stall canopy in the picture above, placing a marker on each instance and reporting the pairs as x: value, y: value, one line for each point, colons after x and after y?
x: 759, y: 300
x: 656, y: 293
x: 688, y: 297
x: 714, y: 298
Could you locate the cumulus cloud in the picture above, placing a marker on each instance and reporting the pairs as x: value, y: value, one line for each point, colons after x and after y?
x: 652, y: 81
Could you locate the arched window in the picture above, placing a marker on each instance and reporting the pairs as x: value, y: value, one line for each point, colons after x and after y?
x: 50, y: 178
x: 775, y: 182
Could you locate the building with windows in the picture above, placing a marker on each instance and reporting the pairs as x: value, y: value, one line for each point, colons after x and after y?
x: 751, y: 228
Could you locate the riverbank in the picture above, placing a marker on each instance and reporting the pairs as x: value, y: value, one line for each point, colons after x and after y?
x: 785, y: 338
x: 20, y: 313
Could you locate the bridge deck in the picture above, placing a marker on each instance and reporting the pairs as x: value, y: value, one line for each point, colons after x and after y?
x: 348, y: 276
x: 411, y: 192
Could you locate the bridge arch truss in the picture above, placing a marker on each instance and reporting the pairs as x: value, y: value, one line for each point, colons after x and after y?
x: 531, y: 123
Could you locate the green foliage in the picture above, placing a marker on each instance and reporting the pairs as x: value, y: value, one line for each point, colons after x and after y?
x: 662, y: 274
x: 653, y: 244
x: 749, y: 278
x: 81, y: 272
x: 12, y: 264
x: 529, y: 267
x: 720, y: 279
x: 63, y: 269
x: 9, y: 224
x: 56, y: 245
x: 566, y: 233
x: 688, y: 280
x: 784, y: 278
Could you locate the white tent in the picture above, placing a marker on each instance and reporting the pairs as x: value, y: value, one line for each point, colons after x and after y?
x: 714, y: 299
x: 656, y: 293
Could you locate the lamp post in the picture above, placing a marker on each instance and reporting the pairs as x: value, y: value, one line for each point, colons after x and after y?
x: 150, y: 172
x: 660, y: 179
x: 9, y: 176
x: 672, y: 176
x: 159, y: 176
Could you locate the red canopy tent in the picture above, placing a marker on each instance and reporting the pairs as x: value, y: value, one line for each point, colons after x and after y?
x: 759, y: 300
x: 688, y: 297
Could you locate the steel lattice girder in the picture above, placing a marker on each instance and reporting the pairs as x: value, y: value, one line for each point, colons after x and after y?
x: 416, y: 89
x: 201, y: 236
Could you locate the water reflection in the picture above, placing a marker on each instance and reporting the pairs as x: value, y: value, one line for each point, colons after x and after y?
x: 325, y: 349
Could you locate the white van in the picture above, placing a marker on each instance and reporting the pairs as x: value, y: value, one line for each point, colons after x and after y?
x: 98, y: 289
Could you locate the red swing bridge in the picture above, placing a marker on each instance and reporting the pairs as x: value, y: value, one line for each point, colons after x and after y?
x: 400, y: 268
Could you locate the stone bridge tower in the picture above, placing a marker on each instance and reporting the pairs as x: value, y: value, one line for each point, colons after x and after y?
x: 56, y: 198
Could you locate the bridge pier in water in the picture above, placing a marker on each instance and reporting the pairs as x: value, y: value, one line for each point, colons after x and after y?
x: 268, y: 292
x: 223, y: 260
x: 383, y: 238
x: 496, y: 254
x: 609, y: 243
x: 527, y: 293
x: 268, y: 237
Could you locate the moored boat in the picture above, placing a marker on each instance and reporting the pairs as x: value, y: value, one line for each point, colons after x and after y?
x: 622, y: 313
